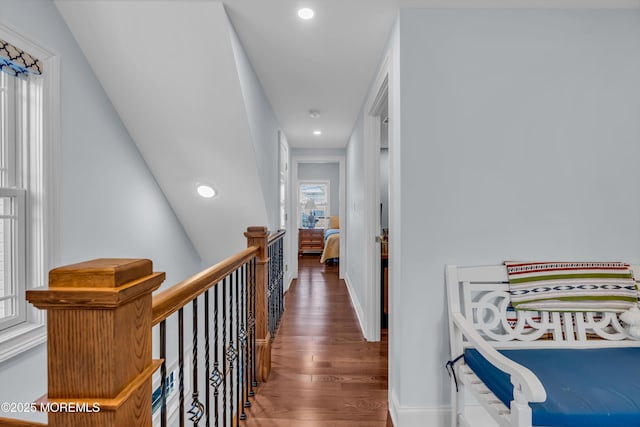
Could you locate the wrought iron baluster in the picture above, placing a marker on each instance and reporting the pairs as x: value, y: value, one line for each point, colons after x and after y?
x: 278, y: 286
x: 197, y: 408
x: 163, y: 373
x: 181, y: 363
x: 270, y: 290
x: 254, y: 376
x: 281, y: 277
x: 206, y: 359
x: 224, y: 348
x: 238, y: 348
x: 231, y: 350
x: 276, y: 313
x: 216, y: 377
x: 245, y: 343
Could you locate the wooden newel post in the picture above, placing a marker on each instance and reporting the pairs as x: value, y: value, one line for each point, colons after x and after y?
x: 259, y: 236
x: 99, y: 342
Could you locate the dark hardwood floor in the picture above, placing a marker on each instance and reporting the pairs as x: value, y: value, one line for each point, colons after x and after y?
x: 324, y: 374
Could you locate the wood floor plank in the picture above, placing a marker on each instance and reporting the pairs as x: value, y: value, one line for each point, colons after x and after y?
x: 324, y: 373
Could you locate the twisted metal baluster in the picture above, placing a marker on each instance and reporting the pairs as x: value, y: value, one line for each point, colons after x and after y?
x: 197, y: 408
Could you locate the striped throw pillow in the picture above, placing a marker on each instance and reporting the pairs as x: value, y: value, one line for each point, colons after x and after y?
x: 571, y: 286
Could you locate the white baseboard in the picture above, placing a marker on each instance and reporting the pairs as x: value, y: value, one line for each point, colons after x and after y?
x: 287, y: 281
x: 355, y: 303
x: 439, y: 416
x: 410, y: 416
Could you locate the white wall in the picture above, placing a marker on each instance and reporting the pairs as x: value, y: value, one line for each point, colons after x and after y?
x: 317, y: 152
x: 264, y: 131
x: 324, y: 172
x: 111, y: 205
x: 355, y: 269
x: 520, y: 140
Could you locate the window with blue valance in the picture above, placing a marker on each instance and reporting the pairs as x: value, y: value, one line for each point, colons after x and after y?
x: 18, y: 62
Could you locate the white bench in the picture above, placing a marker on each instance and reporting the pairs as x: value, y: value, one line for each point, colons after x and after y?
x: 478, y: 298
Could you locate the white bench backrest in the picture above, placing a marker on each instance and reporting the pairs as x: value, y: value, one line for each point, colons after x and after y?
x: 481, y: 295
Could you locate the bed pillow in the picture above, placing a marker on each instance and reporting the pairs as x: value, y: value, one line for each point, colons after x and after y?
x: 571, y: 286
x: 334, y: 222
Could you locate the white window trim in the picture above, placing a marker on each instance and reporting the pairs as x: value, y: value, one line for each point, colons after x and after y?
x: 314, y: 181
x: 42, y: 236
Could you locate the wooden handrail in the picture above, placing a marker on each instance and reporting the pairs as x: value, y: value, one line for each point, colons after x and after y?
x: 170, y: 300
x: 275, y: 236
x: 98, y: 309
x: 7, y: 422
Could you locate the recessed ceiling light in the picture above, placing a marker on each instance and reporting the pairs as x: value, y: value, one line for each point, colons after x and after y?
x: 317, y: 132
x: 206, y: 191
x: 306, y: 13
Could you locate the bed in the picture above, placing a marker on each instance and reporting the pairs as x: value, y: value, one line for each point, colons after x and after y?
x: 537, y: 368
x: 331, y: 249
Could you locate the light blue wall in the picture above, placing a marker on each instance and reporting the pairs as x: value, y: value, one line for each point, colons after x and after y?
x: 519, y: 140
x: 324, y: 172
x: 111, y: 204
x: 264, y: 130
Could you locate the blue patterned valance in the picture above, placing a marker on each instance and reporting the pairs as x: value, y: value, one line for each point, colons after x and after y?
x: 15, y: 61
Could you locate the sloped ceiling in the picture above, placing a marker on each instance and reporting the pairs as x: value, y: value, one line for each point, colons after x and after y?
x: 168, y: 68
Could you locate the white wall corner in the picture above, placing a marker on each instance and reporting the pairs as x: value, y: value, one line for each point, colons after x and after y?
x: 356, y: 304
x: 417, y: 416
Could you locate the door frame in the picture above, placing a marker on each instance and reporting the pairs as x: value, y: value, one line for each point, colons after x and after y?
x: 285, y: 171
x: 293, y: 207
x: 371, y: 152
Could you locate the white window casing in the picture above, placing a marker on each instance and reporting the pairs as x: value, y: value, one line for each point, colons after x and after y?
x: 34, y: 194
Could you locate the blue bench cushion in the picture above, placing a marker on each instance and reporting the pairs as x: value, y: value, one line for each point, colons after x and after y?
x: 585, y: 387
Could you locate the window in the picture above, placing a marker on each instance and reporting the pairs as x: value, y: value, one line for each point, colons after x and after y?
x: 313, y: 204
x: 14, y: 126
x: 29, y: 123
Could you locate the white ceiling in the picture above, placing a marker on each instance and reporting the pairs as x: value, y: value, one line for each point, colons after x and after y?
x: 325, y: 64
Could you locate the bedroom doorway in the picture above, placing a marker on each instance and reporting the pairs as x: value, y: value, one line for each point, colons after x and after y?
x: 317, y: 201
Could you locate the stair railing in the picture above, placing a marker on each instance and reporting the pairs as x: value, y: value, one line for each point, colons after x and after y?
x: 104, y: 325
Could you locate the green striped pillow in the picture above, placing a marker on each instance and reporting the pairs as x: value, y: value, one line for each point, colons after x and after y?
x: 571, y: 286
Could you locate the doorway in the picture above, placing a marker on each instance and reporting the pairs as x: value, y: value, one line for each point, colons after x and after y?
x: 306, y: 168
x: 377, y: 142
x: 384, y: 215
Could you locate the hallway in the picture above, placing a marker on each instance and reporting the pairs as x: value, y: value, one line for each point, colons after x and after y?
x: 323, y: 372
